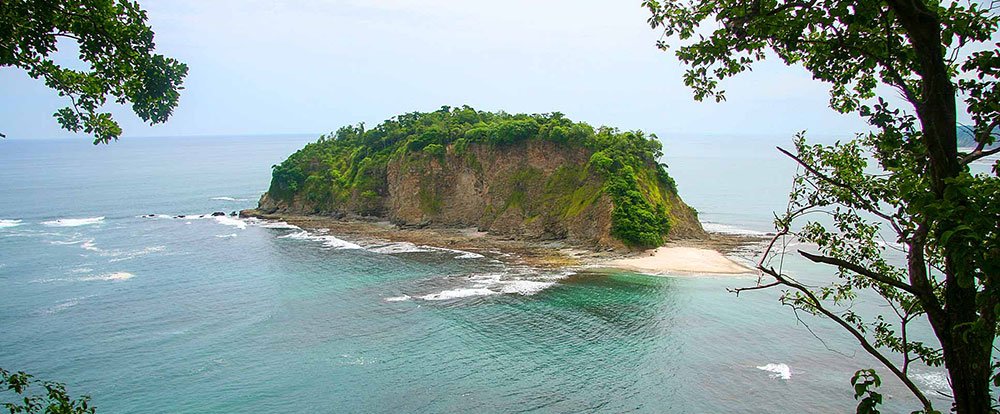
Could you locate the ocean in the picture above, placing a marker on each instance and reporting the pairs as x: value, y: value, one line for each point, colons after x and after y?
x: 201, y: 314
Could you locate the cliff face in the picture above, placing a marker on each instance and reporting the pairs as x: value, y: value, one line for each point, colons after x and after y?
x: 531, y: 189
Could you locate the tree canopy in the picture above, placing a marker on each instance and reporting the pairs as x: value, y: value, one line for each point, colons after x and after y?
x: 116, y: 43
x: 906, y: 181
x: 352, y: 161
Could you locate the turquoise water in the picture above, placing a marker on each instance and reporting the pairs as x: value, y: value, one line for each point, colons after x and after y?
x: 201, y: 314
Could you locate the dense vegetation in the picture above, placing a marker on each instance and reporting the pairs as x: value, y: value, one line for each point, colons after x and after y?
x: 350, y: 165
x: 52, y: 400
x: 909, y: 68
x: 114, y: 42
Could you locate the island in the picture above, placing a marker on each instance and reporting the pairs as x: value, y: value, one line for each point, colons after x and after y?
x: 540, y: 185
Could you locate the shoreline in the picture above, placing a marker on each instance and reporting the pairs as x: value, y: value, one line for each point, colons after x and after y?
x: 683, y: 257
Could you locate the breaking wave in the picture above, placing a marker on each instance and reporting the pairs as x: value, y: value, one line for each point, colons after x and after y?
x: 71, y: 222
x: 9, y: 223
x: 281, y: 225
x: 328, y: 241
x: 105, y: 277
x: 459, y: 293
x: 517, y: 281
x: 407, y: 247
x: 113, y: 277
x: 229, y: 221
x: 728, y: 229
x: 777, y: 371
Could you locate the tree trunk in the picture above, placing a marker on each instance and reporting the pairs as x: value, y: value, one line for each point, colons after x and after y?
x: 969, y: 369
x: 966, y: 353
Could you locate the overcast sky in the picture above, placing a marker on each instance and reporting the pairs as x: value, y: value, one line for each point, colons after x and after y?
x: 267, y: 67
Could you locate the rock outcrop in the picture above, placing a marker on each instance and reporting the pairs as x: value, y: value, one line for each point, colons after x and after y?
x: 531, y: 189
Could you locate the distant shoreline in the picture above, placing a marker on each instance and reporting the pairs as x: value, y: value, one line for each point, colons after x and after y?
x: 683, y: 257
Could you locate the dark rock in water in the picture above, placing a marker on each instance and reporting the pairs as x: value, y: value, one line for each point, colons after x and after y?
x: 181, y: 216
x: 233, y: 213
x: 150, y: 215
x: 218, y: 213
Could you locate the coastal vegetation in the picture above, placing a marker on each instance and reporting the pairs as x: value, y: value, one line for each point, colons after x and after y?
x: 902, y: 66
x: 115, y: 43
x: 54, y: 400
x: 351, y: 166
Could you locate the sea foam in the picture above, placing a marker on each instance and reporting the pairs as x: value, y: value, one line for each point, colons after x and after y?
x: 777, y: 371
x: 524, y: 287
x: 89, y: 245
x: 106, y: 277
x: 399, y: 247
x: 228, y: 199
x: 120, y: 255
x: 70, y: 222
x: 459, y: 293
x: 113, y: 277
x: 280, y: 225
x: 9, y: 223
x: 727, y: 229
x: 229, y: 221
x: 328, y: 241
x: 407, y: 247
x: 61, y: 306
x: 936, y: 381
x: 523, y: 281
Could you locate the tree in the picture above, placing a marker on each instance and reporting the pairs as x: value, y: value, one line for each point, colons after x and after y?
x: 906, y: 179
x: 113, y: 39
x: 54, y: 401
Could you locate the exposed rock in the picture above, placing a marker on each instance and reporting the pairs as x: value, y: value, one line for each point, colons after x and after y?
x: 533, y: 190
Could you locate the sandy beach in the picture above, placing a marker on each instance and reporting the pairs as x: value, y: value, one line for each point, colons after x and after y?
x: 678, y: 257
x: 681, y: 260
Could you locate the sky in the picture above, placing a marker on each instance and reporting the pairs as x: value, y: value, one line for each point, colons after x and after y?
x: 276, y: 67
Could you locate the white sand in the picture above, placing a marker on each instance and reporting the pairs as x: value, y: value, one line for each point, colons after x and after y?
x: 683, y: 260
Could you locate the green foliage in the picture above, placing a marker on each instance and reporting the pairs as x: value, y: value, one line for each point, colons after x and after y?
x: 436, y: 151
x: 865, y: 382
x: 905, y: 184
x: 635, y: 220
x: 345, y: 168
x: 640, y: 215
x: 461, y: 145
x: 55, y: 400
x: 114, y: 40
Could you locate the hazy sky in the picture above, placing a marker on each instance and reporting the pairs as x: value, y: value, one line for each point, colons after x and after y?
x: 262, y: 67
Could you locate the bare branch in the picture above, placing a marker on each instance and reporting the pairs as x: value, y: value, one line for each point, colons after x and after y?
x: 738, y: 290
x: 815, y: 303
x: 856, y: 268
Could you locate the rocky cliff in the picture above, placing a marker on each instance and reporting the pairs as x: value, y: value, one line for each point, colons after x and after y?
x: 505, y: 174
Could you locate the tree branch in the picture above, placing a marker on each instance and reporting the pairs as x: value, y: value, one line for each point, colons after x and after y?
x: 978, y: 152
x: 738, y: 290
x: 857, y: 196
x: 861, y: 271
x: 815, y: 303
